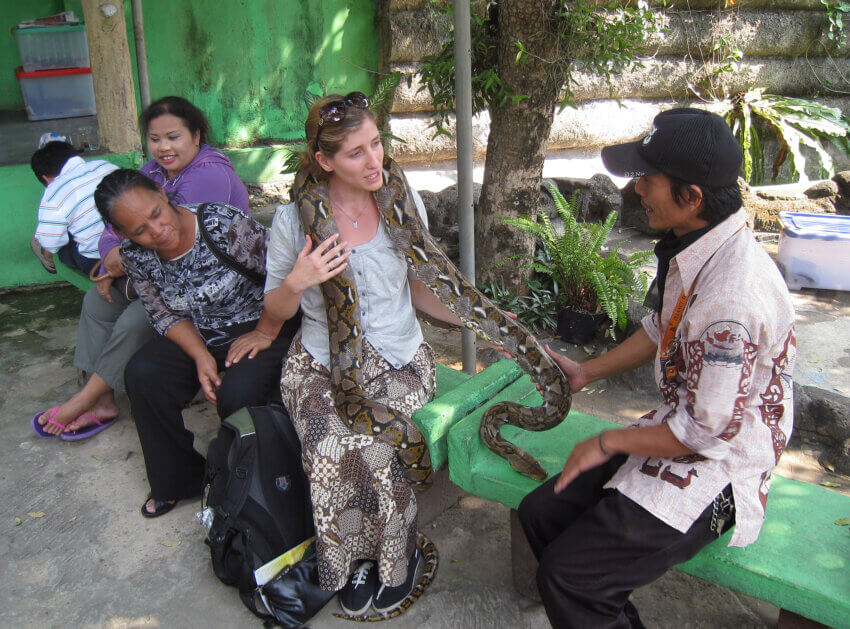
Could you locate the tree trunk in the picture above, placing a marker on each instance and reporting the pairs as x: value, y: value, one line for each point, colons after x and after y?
x: 112, y: 75
x: 519, y: 135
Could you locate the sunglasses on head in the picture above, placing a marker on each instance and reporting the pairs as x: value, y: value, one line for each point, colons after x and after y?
x: 334, y: 111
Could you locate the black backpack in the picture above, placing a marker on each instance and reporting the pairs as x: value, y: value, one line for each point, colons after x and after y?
x: 258, y: 498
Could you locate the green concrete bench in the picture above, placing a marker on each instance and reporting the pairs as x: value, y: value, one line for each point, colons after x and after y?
x: 800, y: 563
x: 72, y: 276
x: 458, y: 394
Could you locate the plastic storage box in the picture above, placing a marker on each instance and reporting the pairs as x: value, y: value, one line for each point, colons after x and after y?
x: 57, y: 93
x: 814, y: 250
x: 52, y: 47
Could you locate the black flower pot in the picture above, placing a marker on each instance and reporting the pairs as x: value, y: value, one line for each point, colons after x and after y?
x: 578, y: 327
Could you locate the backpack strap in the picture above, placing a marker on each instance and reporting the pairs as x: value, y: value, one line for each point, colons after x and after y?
x: 239, y: 482
x: 225, y: 258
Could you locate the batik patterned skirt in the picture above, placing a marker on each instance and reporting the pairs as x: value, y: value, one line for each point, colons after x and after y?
x: 363, y: 506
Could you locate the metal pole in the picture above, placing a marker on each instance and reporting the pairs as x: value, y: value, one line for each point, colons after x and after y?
x: 141, y: 53
x: 463, y: 131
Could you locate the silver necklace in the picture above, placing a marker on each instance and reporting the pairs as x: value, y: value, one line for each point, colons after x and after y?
x: 339, y: 207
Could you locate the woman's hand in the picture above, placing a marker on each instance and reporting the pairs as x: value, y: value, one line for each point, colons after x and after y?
x: 103, y: 286
x: 208, y: 375
x: 251, y: 344
x: 572, y: 370
x: 112, y: 263
x: 323, y: 263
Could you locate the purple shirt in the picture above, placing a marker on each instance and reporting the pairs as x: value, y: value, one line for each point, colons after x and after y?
x: 209, y: 177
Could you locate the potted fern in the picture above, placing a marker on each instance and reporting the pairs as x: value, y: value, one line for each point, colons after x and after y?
x: 593, y: 287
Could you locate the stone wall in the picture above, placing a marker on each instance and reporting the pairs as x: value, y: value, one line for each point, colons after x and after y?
x: 783, y: 42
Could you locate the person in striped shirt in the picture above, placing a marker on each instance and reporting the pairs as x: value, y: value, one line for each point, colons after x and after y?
x: 68, y: 221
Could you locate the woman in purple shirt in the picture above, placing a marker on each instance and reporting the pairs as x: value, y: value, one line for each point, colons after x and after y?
x: 112, y: 328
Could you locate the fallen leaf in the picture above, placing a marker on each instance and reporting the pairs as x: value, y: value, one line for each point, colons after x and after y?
x: 97, y: 457
x: 456, y: 560
x: 72, y: 519
x: 843, y: 522
x: 829, y: 483
x: 171, y: 543
x: 36, y: 514
x: 18, y: 521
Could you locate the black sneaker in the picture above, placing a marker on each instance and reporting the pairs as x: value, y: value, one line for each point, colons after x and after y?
x: 388, y: 598
x: 356, y: 596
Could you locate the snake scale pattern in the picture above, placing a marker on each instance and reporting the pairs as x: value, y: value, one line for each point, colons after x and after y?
x: 430, y: 559
x: 435, y: 270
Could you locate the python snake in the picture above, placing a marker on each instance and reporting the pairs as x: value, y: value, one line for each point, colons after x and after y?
x: 410, y: 237
x: 430, y: 558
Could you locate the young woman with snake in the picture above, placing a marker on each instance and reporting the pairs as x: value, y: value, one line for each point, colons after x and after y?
x: 361, y: 368
x: 361, y: 484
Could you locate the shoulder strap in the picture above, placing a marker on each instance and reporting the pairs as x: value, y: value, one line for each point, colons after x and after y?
x: 240, y: 475
x: 225, y: 258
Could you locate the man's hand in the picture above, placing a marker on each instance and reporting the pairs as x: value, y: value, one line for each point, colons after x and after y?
x: 572, y: 370
x: 208, y: 375
x: 249, y: 344
x: 103, y: 286
x: 585, y: 456
x: 112, y: 263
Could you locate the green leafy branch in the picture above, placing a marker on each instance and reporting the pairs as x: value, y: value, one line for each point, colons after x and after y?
x: 604, y: 41
x: 795, y: 122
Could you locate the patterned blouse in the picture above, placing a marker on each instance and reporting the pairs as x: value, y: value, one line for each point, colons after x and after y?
x: 731, y: 400
x: 198, y: 287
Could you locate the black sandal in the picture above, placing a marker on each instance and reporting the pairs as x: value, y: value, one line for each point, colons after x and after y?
x: 160, y: 507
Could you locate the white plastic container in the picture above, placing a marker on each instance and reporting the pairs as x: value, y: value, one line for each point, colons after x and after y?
x: 52, y: 47
x: 57, y: 93
x: 814, y: 250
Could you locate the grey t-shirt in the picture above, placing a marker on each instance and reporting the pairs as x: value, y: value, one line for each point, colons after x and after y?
x: 380, y: 272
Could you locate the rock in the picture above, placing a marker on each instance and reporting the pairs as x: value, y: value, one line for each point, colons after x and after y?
x: 263, y: 194
x: 822, y: 190
x: 599, y: 196
x: 435, y: 210
x: 633, y: 214
x: 448, y: 199
x: 547, y: 204
x: 764, y: 205
x: 842, y: 179
x: 823, y: 416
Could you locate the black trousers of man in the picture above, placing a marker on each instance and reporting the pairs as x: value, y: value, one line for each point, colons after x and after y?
x: 595, y: 546
x: 70, y: 256
x: 161, y: 380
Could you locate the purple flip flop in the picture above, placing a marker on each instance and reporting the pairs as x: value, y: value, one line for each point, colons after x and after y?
x: 88, y: 431
x: 37, y: 428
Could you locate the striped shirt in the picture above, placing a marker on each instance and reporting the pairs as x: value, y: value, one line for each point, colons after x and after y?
x: 67, y: 210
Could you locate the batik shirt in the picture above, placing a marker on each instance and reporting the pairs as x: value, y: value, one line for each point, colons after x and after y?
x: 731, y: 401
x: 198, y: 287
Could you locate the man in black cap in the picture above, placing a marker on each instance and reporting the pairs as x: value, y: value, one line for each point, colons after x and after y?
x: 631, y: 503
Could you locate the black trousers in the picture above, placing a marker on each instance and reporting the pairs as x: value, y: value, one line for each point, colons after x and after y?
x: 71, y: 256
x: 595, y: 546
x: 161, y: 380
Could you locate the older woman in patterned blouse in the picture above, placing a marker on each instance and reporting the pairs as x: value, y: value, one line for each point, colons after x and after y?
x: 209, y: 316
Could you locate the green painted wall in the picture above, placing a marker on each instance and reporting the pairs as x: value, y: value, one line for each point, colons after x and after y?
x: 12, y: 12
x: 249, y: 63
x: 21, y: 194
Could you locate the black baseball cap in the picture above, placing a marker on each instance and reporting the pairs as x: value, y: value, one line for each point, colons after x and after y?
x: 693, y: 145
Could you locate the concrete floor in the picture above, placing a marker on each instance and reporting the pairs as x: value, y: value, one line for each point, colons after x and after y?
x: 19, y: 136
x: 92, y: 561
